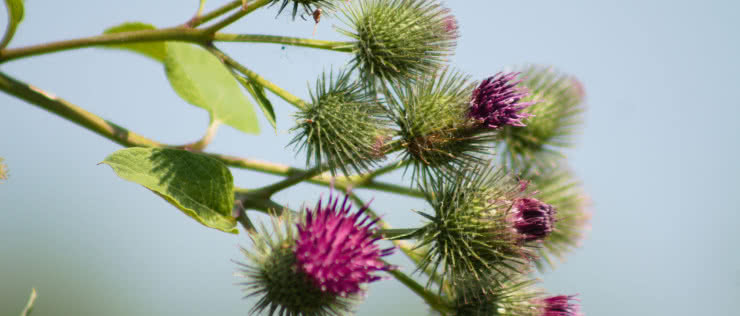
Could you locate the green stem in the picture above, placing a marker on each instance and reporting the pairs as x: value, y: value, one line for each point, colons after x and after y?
x: 280, y: 92
x: 126, y: 138
x: 434, y: 300
x: 198, y: 20
x: 203, y: 142
x: 74, y: 113
x: 271, y: 189
x: 285, y: 40
x: 391, y: 233
x: 246, y: 9
x: 167, y: 34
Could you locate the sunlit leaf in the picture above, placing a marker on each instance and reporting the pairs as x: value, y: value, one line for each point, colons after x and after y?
x: 200, y: 186
x: 202, y: 80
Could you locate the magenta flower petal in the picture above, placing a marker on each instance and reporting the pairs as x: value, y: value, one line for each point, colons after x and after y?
x: 496, y: 101
x: 337, y: 250
x: 561, y: 306
x: 533, y: 219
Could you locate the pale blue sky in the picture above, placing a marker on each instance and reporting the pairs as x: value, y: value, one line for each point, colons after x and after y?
x: 658, y: 155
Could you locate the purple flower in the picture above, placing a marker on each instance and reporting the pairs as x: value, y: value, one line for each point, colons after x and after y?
x: 337, y: 249
x: 495, y: 102
x: 560, y: 306
x: 533, y: 219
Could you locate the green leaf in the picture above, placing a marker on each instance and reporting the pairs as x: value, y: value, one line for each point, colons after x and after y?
x: 200, y: 186
x: 29, y: 306
x: 154, y: 50
x: 202, y: 80
x: 15, y: 16
x: 258, y: 93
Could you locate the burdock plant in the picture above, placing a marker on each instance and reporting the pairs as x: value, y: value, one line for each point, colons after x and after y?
x: 396, y: 105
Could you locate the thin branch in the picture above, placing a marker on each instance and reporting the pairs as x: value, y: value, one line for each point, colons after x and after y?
x: 285, y: 40
x: 245, y: 9
x: 195, y: 22
x: 280, y: 92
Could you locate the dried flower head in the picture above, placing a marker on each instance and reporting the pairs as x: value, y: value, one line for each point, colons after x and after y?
x: 560, y: 305
x: 497, y: 101
x: 341, y: 126
x: 337, y: 249
x: 533, y: 219
x: 399, y: 40
x: 554, y: 119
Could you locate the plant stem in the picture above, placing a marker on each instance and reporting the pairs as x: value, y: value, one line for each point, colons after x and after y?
x: 280, y: 92
x: 166, y: 34
x: 391, y: 233
x: 271, y: 189
x: 126, y: 138
x: 434, y: 300
x: 197, y: 21
x: 206, y: 139
x: 285, y: 40
x: 74, y: 113
x: 246, y: 9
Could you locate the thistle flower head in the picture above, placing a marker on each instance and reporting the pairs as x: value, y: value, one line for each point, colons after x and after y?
x: 307, y: 6
x: 337, y: 250
x: 273, y: 277
x: 533, y: 219
x: 399, y: 40
x: 554, y: 118
x: 560, y: 306
x: 436, y: 134
x: 497, y: 101
x: 342, y: 125
x: 470, y: 237
x: 558, y: 187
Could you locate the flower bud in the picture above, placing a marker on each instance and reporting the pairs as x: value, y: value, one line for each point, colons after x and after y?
x: 342, y: 126
x: 508, y: 296
x: 553, y: 120
x: 399, y: 40
x: 318, y: 270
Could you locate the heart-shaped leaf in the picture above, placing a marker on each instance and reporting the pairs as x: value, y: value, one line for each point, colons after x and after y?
x: 154, y: 50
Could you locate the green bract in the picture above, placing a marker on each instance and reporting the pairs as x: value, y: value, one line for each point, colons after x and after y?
x: 470, y: 238
x: 436, y: 133
x: 511, y: 296
x: 555, y: 118
x: 558, y: 187
x: 399, y: 40
x: 344, y: 126
x: 281, y: 287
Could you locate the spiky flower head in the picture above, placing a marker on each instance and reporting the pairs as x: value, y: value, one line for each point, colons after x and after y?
x: 399, y: 40
x: 497, y: 101
x: 316, y: 269
x: 560, y: 305
x: 344, y: 126
x: 558, y: 187
x: 555, y: 118
x: 510, y: 296
x: 470, y: 235
x: 306, y: 6
x: 274, y: 278
x: 338, y: 249
x: 436, y: 134
x: 533, y: 219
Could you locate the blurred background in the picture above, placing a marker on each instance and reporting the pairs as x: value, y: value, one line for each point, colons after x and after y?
x: 657, y: 154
